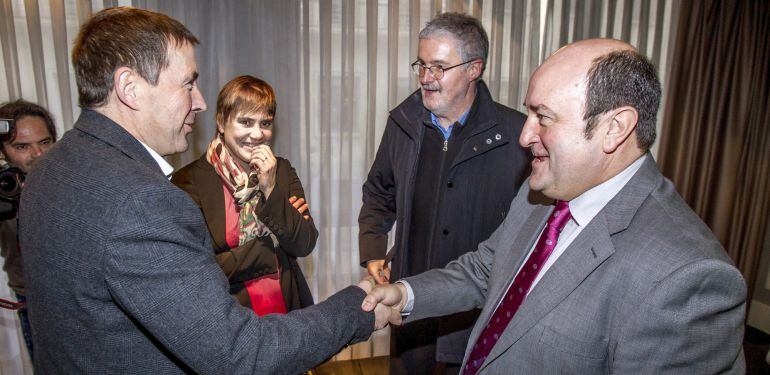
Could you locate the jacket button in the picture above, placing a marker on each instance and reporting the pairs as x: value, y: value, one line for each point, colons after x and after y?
x: 446, y: 231
x: 489, y: 141
x: 450, y: 184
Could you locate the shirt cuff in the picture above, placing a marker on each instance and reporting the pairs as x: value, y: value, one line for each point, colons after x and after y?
x: 409, y: 298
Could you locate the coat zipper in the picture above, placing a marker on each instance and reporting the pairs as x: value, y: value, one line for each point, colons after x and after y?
x: 434, y: 230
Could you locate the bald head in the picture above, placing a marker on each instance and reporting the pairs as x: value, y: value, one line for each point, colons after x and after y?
x: 580, y: 55
x: 591, y: 107
x: 613, y: 74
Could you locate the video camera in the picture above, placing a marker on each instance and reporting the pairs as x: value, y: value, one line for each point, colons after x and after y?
x: 11, y: 180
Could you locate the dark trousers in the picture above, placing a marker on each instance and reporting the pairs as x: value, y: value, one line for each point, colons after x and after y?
x: 26, y: 329
x: 413, y: 350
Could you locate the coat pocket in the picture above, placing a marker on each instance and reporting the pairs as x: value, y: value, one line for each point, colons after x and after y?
x: 568, y: 355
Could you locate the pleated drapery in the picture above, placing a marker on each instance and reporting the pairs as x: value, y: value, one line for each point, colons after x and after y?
x: 716, y: 141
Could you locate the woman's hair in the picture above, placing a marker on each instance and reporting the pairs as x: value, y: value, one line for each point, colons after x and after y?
x: 244, y: 94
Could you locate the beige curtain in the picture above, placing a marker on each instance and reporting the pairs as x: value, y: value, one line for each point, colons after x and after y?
x: 716, y: 143
x: 337, y: 66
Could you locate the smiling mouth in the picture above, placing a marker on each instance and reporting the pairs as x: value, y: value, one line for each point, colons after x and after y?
x: 538, y: 157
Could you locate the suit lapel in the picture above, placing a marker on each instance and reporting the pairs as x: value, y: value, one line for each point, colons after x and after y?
x: 587, y: 252
x: 508, y: 262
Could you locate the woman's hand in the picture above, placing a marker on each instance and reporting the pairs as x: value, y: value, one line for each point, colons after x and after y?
x: 264, y: 162
x: 300, y: 205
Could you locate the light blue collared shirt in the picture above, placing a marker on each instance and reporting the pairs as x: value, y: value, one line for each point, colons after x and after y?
x: 448, y: 131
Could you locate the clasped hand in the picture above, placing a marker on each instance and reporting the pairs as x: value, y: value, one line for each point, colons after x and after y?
x: 264, y: 162
x: 386, y: 300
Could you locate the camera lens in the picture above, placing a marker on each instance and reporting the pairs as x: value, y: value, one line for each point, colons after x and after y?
x: 10, y: 183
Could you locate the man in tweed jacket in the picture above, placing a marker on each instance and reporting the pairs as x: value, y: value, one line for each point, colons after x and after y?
x: 120, y: 272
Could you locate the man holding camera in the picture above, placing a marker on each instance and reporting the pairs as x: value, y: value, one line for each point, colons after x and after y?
x: 30, y: 134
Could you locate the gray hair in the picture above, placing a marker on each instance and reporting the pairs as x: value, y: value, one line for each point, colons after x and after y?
x: 623, y: 78
x: 474, y: 43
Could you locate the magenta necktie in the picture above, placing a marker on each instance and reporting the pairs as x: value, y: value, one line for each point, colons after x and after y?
x: 519, y: 289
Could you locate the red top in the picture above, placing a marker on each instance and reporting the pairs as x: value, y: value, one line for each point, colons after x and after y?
x: 265, y: 291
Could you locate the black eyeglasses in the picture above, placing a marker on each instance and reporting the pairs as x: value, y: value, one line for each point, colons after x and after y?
x: 437, y: 71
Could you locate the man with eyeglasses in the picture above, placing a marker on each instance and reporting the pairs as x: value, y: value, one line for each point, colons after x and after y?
x: 446, y: 171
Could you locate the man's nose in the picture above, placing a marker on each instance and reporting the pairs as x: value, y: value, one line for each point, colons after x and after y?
x: 36, y: 151
x: 529, y: 134
x: 427, y: 78
x: 199, y: 104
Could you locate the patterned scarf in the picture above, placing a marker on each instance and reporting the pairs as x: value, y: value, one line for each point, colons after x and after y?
x: 244, y: 187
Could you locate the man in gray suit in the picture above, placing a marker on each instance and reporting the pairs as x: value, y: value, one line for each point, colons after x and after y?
x: 119, y: 268
x: 618, y: 275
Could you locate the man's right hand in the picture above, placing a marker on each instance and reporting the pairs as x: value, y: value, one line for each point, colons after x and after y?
x: 387, y: 301
x: 378, y: 270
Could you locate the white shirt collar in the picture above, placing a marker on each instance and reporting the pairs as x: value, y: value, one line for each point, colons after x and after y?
x: 162, y: 163
x: 587, y: 205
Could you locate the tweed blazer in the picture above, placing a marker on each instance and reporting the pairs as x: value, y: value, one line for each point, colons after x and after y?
x: 121, y: 277
x: 645, y: 288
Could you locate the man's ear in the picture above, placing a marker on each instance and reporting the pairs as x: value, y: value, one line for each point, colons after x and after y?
x: 622, y: 125
x: 475, y: 69
x: 125, y: 82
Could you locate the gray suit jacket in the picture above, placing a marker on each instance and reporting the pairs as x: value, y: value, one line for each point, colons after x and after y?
x: 121, y: 276
x: 645, y: 288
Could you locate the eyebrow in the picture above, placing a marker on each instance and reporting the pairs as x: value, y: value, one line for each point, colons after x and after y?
x: 253, y: 119
x: 433, y: 62
x: 192, y: 79
x: 14, y: 143
x: 245, y: 118
x: 540, y: 108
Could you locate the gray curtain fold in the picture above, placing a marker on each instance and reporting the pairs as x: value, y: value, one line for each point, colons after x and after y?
x: 392, y: 57
x: 59, y: 29
x: 371, y: 82
x: 10, y: 52
x: 495, y: 58
x: 83, y: 10
x: 34, y: 32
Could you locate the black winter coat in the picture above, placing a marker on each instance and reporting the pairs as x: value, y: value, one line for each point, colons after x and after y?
x: 479, y: 187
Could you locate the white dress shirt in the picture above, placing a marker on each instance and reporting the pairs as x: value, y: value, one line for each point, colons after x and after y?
x: 162, y: 163
x: 583, y: 209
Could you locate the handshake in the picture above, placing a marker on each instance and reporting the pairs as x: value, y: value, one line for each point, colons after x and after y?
x: 387, y: 301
